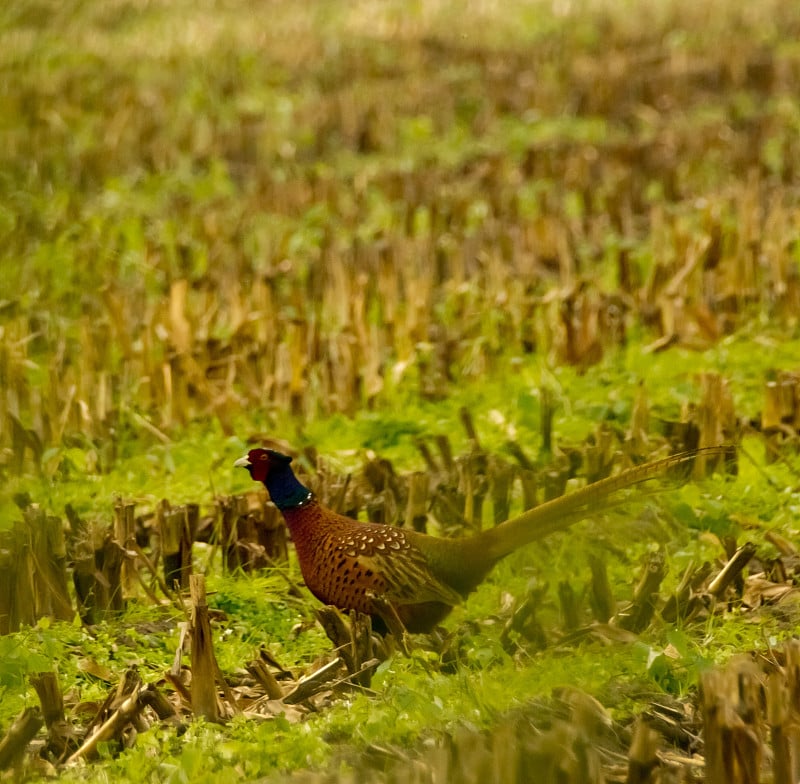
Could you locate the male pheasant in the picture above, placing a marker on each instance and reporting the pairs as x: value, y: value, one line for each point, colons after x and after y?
x: 396, y: 573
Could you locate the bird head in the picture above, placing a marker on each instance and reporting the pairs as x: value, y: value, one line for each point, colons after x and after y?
x: 260, y: 462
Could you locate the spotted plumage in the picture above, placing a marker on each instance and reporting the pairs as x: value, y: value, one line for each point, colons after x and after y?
x: 348, y: 563
x: 419, y: 578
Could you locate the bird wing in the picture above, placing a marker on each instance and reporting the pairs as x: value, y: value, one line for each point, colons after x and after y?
x: 403, y: 568
x: 409, y: 579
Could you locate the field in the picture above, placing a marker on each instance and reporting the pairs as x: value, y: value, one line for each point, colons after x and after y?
x: 480, y: 243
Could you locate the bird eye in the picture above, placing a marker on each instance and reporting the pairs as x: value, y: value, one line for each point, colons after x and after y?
x: 263, y: 457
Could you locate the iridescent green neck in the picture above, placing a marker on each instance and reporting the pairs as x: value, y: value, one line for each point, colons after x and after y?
x: 284, y: 488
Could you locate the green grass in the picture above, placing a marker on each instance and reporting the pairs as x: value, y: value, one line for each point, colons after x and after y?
x: 338, y: 224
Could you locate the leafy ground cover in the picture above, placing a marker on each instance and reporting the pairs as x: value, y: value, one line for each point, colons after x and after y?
x: 339, y: 224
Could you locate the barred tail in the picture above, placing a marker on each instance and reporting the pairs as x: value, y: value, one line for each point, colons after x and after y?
x: 560, y: 513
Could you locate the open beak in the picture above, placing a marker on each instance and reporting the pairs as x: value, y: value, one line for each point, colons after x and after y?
x: 242, y: 462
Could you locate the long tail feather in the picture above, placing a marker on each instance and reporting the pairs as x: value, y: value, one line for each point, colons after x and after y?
x: 560, y: 513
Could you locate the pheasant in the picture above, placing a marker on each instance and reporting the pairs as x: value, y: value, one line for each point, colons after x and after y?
x: 406, y: 579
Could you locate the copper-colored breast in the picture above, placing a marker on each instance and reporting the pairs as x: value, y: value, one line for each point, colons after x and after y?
x: 350, y: 564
